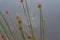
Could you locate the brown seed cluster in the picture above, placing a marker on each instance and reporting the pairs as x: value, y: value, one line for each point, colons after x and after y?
x: 21, y: 1
x: 29, y: 36
x: 17, y: 16
x: 20, y: 28
x: 39, y: 5
x: 1, y: 36
x: 20, y: 22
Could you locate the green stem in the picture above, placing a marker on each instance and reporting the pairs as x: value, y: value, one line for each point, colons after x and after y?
x: 41, y: 26
x: 25, y: 13
x: 5, y: 31
x: 22, y: 32
x: 7, y: 24
x: 12, y: 23
x: 29, y: 20
x: 21, y: 29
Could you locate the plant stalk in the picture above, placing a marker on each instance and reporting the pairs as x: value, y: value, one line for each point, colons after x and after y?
x: 7, y: 25
x: 41, y: 26
x: 29, y: 20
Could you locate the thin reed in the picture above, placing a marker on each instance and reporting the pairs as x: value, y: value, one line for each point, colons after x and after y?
x: 24, y: 35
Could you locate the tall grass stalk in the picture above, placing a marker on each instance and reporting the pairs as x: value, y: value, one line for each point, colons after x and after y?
x: 12, y: 23
x: 22, y: 32
x: 29, y: 20
x: 2, y: 32
x: 7, y: 25
x: 25, y: 13
x: 21, y: 29
x: 41, y: 25
x: 5, y: 31
x: 44, y: 22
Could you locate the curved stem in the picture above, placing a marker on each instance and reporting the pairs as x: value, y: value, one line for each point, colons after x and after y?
x: 21, y: 30
x: 29, y: 20
x: 5, y: 31
x: 7, y: 25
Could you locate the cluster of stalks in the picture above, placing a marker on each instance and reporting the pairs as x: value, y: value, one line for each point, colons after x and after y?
x: 9, y: 34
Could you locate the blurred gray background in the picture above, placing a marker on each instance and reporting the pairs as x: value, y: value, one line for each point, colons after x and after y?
x: 51, y: 11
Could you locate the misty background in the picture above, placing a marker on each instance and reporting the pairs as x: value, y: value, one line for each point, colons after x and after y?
x: 50, y: 9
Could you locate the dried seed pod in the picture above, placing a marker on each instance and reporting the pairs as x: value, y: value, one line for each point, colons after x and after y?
x: 39, y: 5
x: 20, y: 28
x: 1, y: 36
x: 17, y: 16
x: 21, y: 1
x: 20, y: 22
x: 29, y: 36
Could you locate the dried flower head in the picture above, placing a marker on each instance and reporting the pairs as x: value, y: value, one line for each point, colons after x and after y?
x: 21, y: 1
x: 39, y: 5
x: 1, y: 36
x: 20, y: 21
x: 29, y: 36
x: 20, y: 28
x: 17, y: 16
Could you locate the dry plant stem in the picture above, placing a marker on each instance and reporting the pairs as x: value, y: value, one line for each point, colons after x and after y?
x: 21, y: 30
x: 17, y: 29
x: 29, y: 20
x: 25, y: 13
x: 44, y: 23
x: 43, y: 30
x: 26, y: 17
x: 5, y: 31
x: 41, y: 26
x: 7, y: 24
x: 13, y: 23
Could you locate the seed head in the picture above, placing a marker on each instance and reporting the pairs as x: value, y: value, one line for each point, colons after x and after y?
x: 29, y: 36
x: 20, y: 28
x: 17, y: 16
x: 20, y: 22
x: 21, y: 1
x: 1, y: 36
x: 39, y: 5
